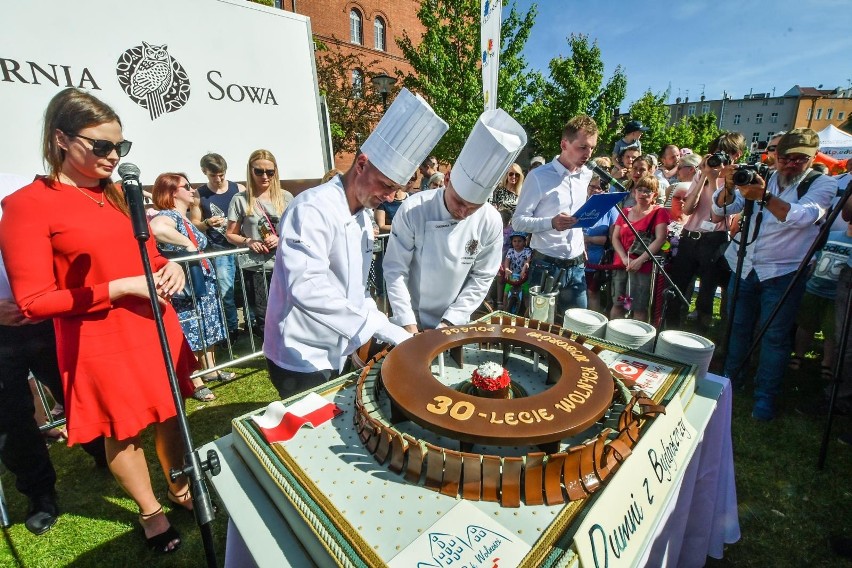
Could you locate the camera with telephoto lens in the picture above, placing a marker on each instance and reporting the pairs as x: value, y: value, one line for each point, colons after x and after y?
x: 718, y: 159
x: 747, y: 174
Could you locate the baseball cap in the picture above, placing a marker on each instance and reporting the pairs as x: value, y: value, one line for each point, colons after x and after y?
x: 537, y: 160
x: 799, y: 141
x: 517, y: 234
x: 690, y: 160
x: 633, y: 126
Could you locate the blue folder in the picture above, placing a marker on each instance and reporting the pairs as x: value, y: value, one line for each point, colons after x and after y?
x: 596, y: 207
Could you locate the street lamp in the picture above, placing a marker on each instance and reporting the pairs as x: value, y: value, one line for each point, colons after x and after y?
x: 383, y: 83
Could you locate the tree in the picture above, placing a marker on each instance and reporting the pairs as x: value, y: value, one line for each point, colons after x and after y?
x: 353, y: 109
x: 445, y: 67
x: 517, y: 84
x: 575, y: 86
x: 447, y: 71
x: 653, y: 112
x: 694, y: 132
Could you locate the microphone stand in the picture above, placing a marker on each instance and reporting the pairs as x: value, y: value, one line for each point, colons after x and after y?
x: 604, y: 175
x: 194, y: 466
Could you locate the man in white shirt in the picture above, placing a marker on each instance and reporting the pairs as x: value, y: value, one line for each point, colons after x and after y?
x: 549, y: 198
x: 445, y: 247
x: 782, y: 228
x: 319, y: 309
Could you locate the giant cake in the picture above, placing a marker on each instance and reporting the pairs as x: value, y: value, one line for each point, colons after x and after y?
x: 581, y: 392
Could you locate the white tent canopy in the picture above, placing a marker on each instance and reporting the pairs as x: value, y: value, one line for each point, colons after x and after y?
x: 835, y: 143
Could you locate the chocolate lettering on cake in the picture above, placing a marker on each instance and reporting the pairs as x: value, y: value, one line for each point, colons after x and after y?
x: 572, y: 349
x: 466, y: 329
x: 585, y: 388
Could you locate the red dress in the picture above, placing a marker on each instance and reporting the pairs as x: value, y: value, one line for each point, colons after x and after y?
x: 61, y: 250
x: 647, y: 223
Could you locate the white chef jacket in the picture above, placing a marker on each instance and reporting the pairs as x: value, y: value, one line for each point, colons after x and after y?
x: 437, y: 267
x: 319, y: 310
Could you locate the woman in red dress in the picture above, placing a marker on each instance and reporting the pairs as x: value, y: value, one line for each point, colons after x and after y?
x: 71, y: 255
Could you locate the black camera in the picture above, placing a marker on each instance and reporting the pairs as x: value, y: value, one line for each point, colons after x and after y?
x: 747, y: 174
x: 718, y: 159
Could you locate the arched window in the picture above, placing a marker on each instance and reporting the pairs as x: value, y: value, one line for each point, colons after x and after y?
x: 357, y: 83
x: 379, y: 33
x: 356, y: 30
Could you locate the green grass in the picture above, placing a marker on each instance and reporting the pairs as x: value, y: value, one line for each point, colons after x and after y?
x: 787, y: 507
x: 99, y: 526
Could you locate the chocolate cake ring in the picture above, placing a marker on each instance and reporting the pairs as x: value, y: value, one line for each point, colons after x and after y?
x: 580, y: 395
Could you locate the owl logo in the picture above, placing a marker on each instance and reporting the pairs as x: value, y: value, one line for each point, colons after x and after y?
x: 153, y: 79
x: 471, y: 247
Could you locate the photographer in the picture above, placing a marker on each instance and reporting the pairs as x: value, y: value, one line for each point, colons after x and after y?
x: 781, y: 230
x: 703, y: 240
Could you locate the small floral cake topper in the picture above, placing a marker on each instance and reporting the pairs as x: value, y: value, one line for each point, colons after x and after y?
x: 490, y: 377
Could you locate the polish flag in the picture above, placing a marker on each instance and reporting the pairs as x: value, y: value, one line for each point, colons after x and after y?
x: 280, y: 423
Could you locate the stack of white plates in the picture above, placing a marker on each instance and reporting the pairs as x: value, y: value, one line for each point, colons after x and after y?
x: 686, y: 348
x: 630, y: 333
x: 585, y: 322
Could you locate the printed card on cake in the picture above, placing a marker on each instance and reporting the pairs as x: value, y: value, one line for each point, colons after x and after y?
x: 464, y: 537
x: 649, y: 376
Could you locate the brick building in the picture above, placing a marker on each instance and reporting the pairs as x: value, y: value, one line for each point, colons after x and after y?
x: 366, y: 28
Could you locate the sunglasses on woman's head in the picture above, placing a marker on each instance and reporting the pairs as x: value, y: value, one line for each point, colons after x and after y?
x: 260, y: 171
x: 103, y: 148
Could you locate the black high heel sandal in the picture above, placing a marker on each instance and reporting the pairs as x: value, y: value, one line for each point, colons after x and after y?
x: 160, y: 542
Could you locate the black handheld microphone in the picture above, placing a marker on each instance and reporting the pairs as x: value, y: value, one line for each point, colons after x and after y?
x: 600, y: 172
x: 135, y: 200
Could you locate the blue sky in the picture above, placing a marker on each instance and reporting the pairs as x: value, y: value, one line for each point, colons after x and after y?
x: 709, y: 46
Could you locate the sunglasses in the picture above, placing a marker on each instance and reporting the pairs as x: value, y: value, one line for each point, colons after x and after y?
x: 512, y: 174
x: 644, y: 190
x: 103, y: 148
x: 260, y: 171
x: 798, y: 161
x: 771, y: 148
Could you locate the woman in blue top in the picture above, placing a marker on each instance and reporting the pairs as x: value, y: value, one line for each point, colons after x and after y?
x: 177, y: 236
x: 596, y: 238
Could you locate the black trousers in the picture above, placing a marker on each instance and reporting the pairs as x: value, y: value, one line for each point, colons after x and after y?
x: 288, y: 383
x: 22, y: 450
x: 25, y: 349
x: 702, y: 258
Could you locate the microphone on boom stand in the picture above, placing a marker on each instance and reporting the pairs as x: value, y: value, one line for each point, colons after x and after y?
x: 673, y: 289
x: 193, y: 465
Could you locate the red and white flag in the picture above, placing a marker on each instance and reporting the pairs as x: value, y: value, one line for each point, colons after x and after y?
x: 280, y: 423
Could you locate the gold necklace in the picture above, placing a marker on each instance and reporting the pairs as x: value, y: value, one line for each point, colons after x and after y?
x: 100, y: 203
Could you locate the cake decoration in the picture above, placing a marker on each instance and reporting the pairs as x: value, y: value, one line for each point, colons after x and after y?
x: 491, y: 380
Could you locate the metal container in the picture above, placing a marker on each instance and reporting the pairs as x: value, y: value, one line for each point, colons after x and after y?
x: 542, y: 306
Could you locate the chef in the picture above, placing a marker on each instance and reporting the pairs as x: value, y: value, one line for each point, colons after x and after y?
x: 319, y: 310
x: 445, y: 247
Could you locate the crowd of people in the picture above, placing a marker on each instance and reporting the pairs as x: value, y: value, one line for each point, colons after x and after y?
x: 481, y: 230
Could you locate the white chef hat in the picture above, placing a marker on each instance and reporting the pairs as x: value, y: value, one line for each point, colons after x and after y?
x: 404, y: 137
x: 493, y: 145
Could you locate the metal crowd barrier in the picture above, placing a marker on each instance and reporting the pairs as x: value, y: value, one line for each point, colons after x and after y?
x: 254, y: 342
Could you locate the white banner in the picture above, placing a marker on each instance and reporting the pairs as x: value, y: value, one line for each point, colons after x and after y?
x: 490, y: 16
x: 186, y: 78
x: 614, y: 532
